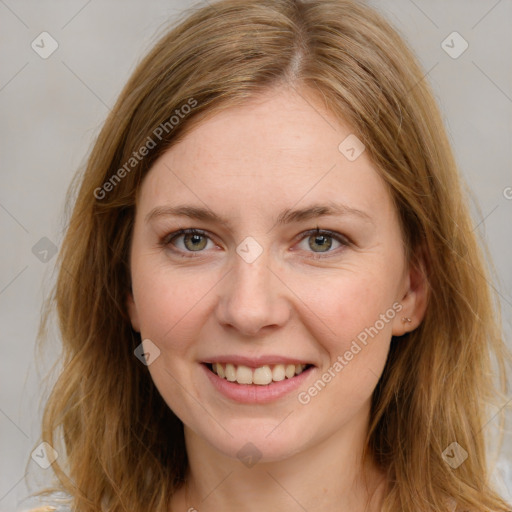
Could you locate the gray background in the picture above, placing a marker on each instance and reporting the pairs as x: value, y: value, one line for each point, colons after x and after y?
x: 53, y: 108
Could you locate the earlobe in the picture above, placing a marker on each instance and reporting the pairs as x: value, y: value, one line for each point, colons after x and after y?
x: 414, y: 301
x: 132, y: 312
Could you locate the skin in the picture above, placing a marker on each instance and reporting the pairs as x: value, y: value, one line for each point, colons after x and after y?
x: 247, y: 164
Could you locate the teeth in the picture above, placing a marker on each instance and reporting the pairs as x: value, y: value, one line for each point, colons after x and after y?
x: 261, y: 376
x: 230, y: 372
x: 289, y: 371
x: 278, y: 373
x: 244, y: 375
x: 220, y: 371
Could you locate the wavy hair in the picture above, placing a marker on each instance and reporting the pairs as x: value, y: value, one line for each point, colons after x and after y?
x: 123, y: 447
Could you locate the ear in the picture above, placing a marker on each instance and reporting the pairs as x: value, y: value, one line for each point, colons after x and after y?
x: 132, y: 312
x: 414, y: 300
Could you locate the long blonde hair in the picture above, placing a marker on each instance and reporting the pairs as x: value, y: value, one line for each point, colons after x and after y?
x: 123, y: 446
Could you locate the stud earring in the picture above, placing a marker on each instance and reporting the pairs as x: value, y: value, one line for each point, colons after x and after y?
x: 406, y: 320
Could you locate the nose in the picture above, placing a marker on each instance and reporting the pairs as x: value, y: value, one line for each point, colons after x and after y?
x: 253, y: 299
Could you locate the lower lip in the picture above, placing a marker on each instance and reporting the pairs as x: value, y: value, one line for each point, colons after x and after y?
x: 253, y: 393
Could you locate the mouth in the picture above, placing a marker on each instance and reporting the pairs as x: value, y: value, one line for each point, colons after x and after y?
x: 260, y: 376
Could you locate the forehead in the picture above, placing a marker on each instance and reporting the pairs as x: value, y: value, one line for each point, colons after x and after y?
x: 280, y: 149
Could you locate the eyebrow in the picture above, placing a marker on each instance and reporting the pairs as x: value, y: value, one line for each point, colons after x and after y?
x: 287, y: 216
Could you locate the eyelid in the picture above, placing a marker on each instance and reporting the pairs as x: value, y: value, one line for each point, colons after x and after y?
x: 185, y: 231
x: 334, y: 234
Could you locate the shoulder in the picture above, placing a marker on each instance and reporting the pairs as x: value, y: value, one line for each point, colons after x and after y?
x: 501, y: 477
x: 53, y: 507
x: 45, y: 508
x: 55, y: 502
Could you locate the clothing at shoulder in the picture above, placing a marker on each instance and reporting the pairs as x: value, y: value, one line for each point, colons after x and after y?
x: 47, y: 508
x: 57, y: 502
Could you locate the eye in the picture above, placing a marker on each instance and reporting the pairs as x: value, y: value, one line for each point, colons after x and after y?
x: 188, y: 240
x: 322, y: 241
x: 195, y: 240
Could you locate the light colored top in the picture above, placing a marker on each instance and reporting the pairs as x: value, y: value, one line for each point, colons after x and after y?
x: 56, y: 502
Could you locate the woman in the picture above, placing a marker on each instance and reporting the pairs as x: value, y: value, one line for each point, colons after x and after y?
x: 270, y: 294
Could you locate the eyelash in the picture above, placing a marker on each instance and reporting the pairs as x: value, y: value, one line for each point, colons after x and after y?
x: 344, y: 241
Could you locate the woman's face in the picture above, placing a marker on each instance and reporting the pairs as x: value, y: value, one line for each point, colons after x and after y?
x: 257, y: 290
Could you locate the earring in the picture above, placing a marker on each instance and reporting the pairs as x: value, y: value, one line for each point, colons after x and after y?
x: 406, y: 320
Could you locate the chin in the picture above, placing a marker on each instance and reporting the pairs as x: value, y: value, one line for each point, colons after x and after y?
x: 254, y: 441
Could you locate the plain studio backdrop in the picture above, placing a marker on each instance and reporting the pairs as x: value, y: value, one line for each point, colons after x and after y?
x: 62, y: 67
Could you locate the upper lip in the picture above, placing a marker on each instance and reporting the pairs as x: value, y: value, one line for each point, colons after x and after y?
x: 255, y: 362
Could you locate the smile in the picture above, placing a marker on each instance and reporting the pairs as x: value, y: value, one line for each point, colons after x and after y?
x: 261, y: 376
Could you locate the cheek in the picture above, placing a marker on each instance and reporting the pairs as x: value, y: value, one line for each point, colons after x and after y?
x: 167, y: 302
x: 348, y: 305
x: 352, y: 325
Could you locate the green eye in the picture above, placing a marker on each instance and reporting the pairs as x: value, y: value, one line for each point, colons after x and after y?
x: 194, y: 242
x: 189, y: 240
x: 322, y: 242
